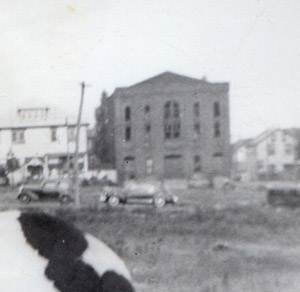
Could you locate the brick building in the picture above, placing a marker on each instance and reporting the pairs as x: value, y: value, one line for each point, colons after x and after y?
x: 169, y: 126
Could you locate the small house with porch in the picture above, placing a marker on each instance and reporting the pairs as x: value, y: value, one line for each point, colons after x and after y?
x: 43, y: 143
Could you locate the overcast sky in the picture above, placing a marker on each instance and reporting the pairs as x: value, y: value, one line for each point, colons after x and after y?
x: 48, y: 47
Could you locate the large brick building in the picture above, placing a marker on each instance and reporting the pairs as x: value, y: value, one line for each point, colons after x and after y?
x: 169, y: 126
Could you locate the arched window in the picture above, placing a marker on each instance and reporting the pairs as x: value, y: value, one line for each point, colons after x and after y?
x: 167, y: 112
x: 171, y: 120
x: 127, y: 113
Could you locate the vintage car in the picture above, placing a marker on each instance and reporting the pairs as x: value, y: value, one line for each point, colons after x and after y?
x: 58, y: 190
x: 283, y: 194
x: 138, y: 192
x: 198, y: 181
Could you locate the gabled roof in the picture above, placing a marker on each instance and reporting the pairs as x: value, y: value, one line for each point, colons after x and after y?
x: 166, y: 79
x: 294, y: 132
x: 241, y: 143
x: 262, y: 136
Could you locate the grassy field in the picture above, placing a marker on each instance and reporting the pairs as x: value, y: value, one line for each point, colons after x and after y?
x: 212, y: 241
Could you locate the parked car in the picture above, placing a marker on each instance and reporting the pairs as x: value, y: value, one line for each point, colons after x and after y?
x: 138, y: 192
x: 222, y: 182
x: 283, y: 195
x: 198, y: 181
x: 59, y: 190
x: 3, y: 176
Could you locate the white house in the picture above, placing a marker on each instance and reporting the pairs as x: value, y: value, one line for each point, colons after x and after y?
x: 240, y: 152
x: 43, y: 142
x: 274, y: 154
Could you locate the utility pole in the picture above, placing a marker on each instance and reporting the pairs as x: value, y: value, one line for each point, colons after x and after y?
x: 68, y: 151
x: 76, y: 169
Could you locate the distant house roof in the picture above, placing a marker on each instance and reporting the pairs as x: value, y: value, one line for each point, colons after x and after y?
x: 261, y: 137
x: 37, y: 118
x: 166, y: 79
x: 240, y: 143
x: 294, y: 132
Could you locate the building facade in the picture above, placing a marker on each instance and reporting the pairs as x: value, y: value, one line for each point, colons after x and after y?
x: 42, y: 142
x: 169, y: 126
x: 274, y: 154
x: 240, y: 169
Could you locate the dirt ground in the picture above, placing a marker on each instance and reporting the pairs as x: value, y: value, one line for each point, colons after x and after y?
x: 212, y: 241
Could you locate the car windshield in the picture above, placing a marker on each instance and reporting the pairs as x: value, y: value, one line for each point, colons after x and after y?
x: 55, y: 183
x: 50, y: 184
x: 150, y: 186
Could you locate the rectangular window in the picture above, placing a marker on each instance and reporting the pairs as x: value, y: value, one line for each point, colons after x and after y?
x: 217, y: 131
x: 197, y: 129
x: 270, y: 149
x: 53, y: 134
x: 259, y: 164
x: 271, y: 169
x: 147, y: 128
x: 18, y: 136
x: 127, y: 113
x: 71, y: 133
x: 196, y: 110
x: 147, y: 109
x: 197, y: 163
x: 22, y: 138
x: 288, y: 149
x: 127, y: 134
x: 149, y: 166
x: 14, y: 136
x: 216, y: 109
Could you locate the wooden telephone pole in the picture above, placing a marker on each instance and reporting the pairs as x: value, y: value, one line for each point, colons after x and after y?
x: 76, y: 166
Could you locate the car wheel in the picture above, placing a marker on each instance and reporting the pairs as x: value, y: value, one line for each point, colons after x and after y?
x: 65, y: 199
x: 24, y: 198
x: 113, y: 201
x: 159, y: 202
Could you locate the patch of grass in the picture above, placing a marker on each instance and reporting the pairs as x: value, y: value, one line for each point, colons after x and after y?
x: 172, y: 249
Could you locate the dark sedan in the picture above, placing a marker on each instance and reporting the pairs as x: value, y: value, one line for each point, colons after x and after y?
x: 138, y: 193
x: 58, y: 190
x: 283, y: 194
